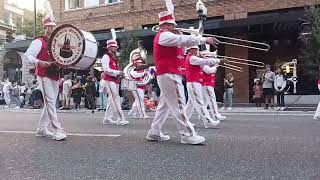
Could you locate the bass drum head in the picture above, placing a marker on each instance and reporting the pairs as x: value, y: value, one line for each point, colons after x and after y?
x: 66, y: 45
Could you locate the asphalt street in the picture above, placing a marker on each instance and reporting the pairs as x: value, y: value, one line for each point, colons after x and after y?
x: 248, y: 145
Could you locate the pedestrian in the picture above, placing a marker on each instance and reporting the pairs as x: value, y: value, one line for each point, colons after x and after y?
x: 317, y: 114
x: 23, y: 93
x: 228, y: 92
x: 257, y: 93
x: 6, y: 92
x: 66, y: 92
x: 90, y: 93
x: 170, y: 63
x: 37, y: 55
x: 15, y: 94
x: 268, y: 82
x: 280, y: 84
x: 76, y: 90
x: 102, y: 95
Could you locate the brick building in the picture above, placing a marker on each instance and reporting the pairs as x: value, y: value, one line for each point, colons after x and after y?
x: 275, y: 22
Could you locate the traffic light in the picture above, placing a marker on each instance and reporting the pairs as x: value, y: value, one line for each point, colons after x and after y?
x: 9, y: 36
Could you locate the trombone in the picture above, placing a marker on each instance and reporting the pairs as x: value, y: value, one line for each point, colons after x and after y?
x: 234, y: 60
x: 254, y: 45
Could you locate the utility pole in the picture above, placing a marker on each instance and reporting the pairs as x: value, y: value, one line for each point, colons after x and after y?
x: 35, y: 18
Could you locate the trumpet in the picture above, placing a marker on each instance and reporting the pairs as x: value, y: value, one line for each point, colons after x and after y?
x: 234, y: 60
x: 254, y: 45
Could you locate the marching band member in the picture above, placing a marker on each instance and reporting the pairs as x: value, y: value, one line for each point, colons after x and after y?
x: 138, y: 94
x: 209, y: 83
x: 169, y: 59
x: 37, y: 54
x: 194, y: 77
x: 317, y: 114
x: 111, y: 80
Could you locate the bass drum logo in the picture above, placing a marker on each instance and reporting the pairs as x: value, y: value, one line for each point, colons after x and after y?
x: 66, y: 45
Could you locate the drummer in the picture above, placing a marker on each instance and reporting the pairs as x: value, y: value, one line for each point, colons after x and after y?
x: 37, y: 55
x: 111, y: 79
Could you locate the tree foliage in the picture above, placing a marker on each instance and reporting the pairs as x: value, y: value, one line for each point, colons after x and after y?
x: 128, y: 43
x: 26, y: 27
x: 311, y: 38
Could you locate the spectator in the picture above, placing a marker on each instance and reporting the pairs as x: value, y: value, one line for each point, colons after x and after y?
x: 76, y: 94
x: 228, y: 92
x: 6, y: 92
x: 103, y: 95
x: 60, y: 97
x: 15, y: 94
x: 317, y: 114
x: 90, y: 93
x: 268, y: 81
x: 23, y: 93
x: 279, y: 85
x: 257, y: 96
x: 66, y: 93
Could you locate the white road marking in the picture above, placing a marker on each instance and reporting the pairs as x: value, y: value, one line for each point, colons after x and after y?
x: 69, y: 134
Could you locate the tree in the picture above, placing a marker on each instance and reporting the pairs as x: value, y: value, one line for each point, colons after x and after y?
x: 26, y: 27
x: 128, y: 43
x: 310, y: 36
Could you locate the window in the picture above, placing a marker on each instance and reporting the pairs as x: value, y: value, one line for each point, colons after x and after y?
x: 91, y: 3
x: 71, y: 4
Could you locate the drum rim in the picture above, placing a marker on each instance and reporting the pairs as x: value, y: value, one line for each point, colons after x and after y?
x: 50, y: 43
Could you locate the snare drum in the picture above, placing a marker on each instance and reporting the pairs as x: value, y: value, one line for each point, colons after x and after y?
x: 73, y: 48
x: 129, y: 85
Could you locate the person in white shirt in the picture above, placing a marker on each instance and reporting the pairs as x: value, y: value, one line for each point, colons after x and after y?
x: 6, y: 92
x: 279, y: 85
x: 170, y: 63
x: 317, y: 114
x: 66, y: 92
x: 37, y: 55
x: 111, y: 80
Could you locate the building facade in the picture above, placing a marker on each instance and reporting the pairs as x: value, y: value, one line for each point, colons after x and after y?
x: 275, y: 22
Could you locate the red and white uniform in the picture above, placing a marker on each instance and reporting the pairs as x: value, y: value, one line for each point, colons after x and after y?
x: 169, y: 59
x: 317, y: 114
x: 209, y: 83
x: 111, y: 82
x: 49, y: 85
x: 195, y: 79
x: 138, y: 106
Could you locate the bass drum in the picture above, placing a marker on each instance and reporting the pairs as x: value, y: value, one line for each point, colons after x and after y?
x: 70, y: 47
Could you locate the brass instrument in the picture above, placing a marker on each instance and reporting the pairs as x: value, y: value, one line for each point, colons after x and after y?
x: 263, y: 46
x: 233, y: 60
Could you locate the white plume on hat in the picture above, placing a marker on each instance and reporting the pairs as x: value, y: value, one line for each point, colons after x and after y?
x: 48, y: 19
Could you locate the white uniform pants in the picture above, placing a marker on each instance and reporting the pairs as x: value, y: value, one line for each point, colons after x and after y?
x: 172, y: 98
x: 50, y: 91
x: 7, y: 98
x: 211, y: 100
x: 317, y: 114
x: 113, y: 103
x: 196, y: 100
x: 138, y: 104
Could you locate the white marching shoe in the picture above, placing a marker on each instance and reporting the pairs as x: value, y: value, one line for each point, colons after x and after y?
x: 43, y: 132
x: 122, y: 122
x: 195, y: 139
x: 108, y: 121
x: 316, y: 118
x: 212, y: 124
x: 220, y: 117
x: 59, y: 135
x: 153, y: 137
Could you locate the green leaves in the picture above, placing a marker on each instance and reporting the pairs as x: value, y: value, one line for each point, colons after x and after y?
x: 28, y: 25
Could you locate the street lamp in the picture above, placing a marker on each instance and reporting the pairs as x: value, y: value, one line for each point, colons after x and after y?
x: 202, y: 12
